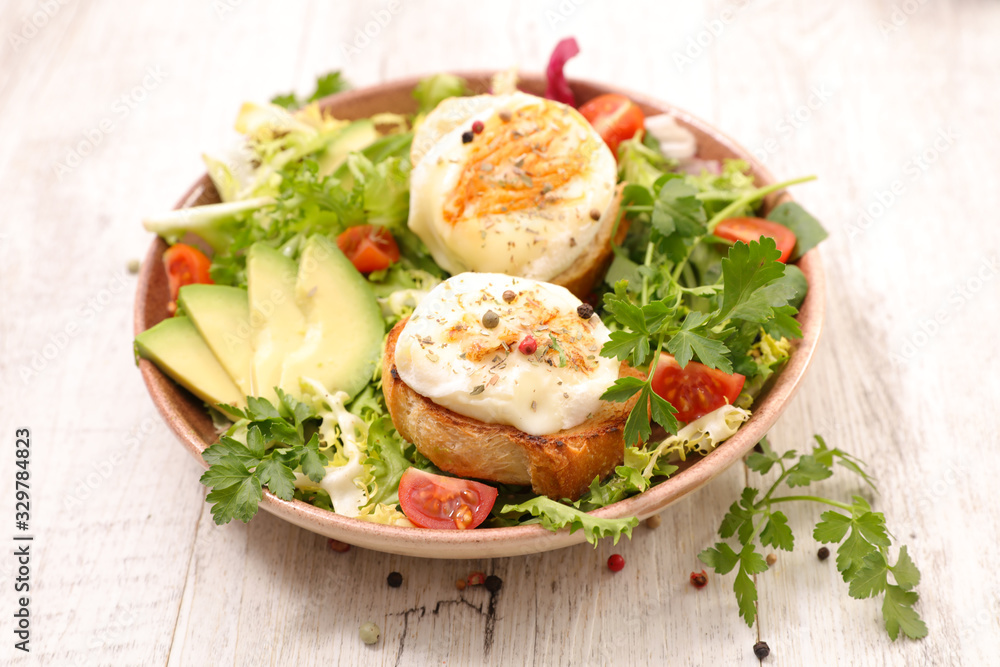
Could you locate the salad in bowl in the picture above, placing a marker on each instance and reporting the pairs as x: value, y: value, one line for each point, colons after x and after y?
x: 471, y: 302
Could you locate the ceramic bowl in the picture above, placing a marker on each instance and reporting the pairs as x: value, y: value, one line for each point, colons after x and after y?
x: 187, y: 417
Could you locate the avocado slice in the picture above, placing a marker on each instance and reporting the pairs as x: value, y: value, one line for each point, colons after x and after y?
x: 176, y: 347
x: 277, y: 325
x: 344, y: 325
x: 222, y: 316
x: 359, y: 134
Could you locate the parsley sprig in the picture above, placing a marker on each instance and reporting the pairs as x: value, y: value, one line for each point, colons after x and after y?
x: 754, y: 292
x: 275, y: 447
x: 660, y: 305
x: 863, y: 557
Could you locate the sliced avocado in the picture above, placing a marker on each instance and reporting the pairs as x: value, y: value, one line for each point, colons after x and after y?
x: 277, y: 325
x: 222, y: 316
x: 354, y: 137
x: 345, y: 328
x: 176, y: 347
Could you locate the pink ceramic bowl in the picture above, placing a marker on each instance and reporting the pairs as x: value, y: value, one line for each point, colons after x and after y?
x: 187, y: 417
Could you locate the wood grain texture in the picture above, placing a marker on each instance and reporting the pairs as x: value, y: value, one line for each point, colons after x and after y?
x: 128, y: 566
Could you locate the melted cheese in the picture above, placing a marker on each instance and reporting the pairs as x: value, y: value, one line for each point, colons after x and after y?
x: 524, y: 197
x: 446, y: 353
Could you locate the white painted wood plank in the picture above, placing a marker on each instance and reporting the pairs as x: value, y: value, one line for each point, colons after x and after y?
x: 131, y: 570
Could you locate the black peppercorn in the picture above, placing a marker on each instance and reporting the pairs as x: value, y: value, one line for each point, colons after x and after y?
x: 585, y: 311
x: 395, y: 579
x: 823, y: 553
x: 761, y: 650
x: 467, y: 137
x: 493, y: 583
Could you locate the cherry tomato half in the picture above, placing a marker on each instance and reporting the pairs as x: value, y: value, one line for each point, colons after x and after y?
x: 615, y: 117
x: 436, y: 501
x: 696, y: 389
x: 369, y: 247
x: 751, y: 229
x: 184, y: 265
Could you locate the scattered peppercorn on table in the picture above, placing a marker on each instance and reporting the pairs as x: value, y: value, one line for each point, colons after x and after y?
x: 108, y: 106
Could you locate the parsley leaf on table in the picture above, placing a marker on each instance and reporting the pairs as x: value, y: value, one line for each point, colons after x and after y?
x: 864, y: 542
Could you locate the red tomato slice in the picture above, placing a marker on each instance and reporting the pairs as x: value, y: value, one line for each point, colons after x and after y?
x: 751, y: 229
x: 184, y: 265
x: 436, y: 501
x: 615, y: 117
x: 696, y: 389
x: 369, y: 247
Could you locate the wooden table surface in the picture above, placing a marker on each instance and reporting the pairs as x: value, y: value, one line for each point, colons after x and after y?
x: 105, y: 108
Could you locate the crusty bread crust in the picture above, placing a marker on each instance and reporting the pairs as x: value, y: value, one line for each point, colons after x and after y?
x: 589, y: 268
x: 561, y: 465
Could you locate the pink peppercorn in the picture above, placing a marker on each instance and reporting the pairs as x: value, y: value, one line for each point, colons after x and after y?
x: 616, y: 562
x: 528, y: 345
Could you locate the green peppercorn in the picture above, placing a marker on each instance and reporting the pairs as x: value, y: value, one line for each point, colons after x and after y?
x: 491, y: 320
x: 369, y: 632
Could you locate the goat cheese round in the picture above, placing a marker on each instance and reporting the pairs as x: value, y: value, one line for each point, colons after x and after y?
x: 469, y: 349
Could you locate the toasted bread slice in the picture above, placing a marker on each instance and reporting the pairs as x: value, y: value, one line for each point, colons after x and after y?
x: 589, y: 268
x: 561, y: 465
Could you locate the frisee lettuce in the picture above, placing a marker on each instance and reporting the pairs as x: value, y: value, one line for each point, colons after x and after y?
x: 326, y: 84
x: 554, y: 515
